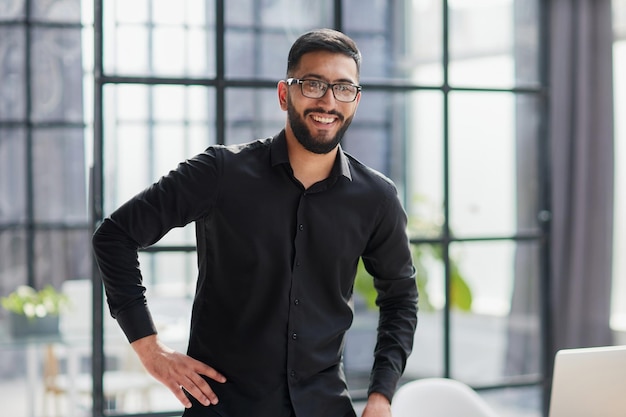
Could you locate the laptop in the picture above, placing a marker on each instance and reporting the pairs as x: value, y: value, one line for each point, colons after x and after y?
x: 589, y: 382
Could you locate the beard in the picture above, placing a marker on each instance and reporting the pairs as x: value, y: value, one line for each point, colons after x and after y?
x: 321, y: 144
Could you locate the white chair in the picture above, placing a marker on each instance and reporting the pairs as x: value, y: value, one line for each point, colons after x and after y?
x: 439, y: 397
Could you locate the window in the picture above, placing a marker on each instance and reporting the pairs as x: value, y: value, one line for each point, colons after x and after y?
x: 45, y: 149
x: 474, y: 184
x: 43, y: 180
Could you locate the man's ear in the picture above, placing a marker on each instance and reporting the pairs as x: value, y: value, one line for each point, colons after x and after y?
x: 282, y: 94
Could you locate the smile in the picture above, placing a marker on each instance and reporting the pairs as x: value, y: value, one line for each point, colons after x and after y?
x: 325, y: 120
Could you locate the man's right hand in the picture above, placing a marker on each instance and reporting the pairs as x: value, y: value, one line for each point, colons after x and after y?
x: 176, y: 371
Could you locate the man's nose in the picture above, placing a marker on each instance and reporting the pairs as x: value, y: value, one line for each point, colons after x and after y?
x: 328, y: 96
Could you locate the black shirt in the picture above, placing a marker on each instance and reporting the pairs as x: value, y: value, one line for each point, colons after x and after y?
x: 276, y: 271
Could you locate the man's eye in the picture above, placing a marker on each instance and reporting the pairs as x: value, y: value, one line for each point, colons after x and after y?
x: 343, y: 88
x: 316, y: 85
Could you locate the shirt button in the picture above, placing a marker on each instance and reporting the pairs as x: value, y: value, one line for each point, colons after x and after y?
x: 294, y: 336
x: 292, y: 374
x: 297, y: 263
x: 296, y: 301
x: 301, y: 227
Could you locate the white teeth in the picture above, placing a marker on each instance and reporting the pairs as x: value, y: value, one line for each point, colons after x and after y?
x: 323, y: 119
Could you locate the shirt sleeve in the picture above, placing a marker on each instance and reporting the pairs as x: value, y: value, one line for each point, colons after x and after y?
x: 180, y: 197
x: 388, y: 260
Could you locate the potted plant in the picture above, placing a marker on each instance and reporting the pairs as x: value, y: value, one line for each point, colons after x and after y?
x: 32, y: 312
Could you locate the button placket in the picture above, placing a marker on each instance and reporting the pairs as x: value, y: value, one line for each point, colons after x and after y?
x: 295, y: 311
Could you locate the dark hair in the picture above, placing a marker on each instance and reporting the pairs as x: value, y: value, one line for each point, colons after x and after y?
x: 323, y: 40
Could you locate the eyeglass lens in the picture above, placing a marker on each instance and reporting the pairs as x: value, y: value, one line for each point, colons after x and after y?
x: 316, y: 89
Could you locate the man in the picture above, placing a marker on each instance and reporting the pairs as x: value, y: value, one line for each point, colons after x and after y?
x: 281, y: 224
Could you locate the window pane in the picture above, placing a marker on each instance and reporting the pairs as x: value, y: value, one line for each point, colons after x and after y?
x: 488, y: 161
x: 427, y: 358
x: 61, y: 255
x: 12, y: 9
x: 127, y: 51
x: 12, y: 261
x: 288, y: 16
x: 165, y: 12
x: 367, y: 15
x: 424, y: 40
x: 185, y: 236
x: 259, y: 34
x: 122, y: 11
x: 60, y: 185
x: 619, y: 21
x: 165, y: 39
x: 66, y: 11
x: 487, y: 268
x: 370, y: 137
x: 256, y: 55
x: 378, y: 134
x: 413, y: 53
x: 12, y: 73
x: 148, y: 131
x: 169, y: 274
x: 56, y: 67
x: 252, y: 114
x: 13, y: 179
x: 377, y: 55
x: 500, y: 337
x: 369, y: 144
x: 170, y: 280
x: 126, y: 103
x: 167, y: 50
x: 494, y: 43
x: 425, y: 165
x: 359, y: 348
x: 125, y: 164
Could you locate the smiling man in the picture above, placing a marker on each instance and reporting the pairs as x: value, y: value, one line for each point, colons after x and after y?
x: 281, y: 224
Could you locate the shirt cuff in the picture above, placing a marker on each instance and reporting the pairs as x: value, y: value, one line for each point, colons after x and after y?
x: 384, y: 381
x: 136, y: 322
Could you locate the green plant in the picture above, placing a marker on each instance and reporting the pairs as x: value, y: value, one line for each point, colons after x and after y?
x: 425, y: 221
x: 31, y: 303
x: 460, y: 292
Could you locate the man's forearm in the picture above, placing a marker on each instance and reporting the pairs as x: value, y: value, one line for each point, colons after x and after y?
x: 116, y: 256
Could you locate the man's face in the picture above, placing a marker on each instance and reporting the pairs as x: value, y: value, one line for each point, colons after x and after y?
x: 319, y: 123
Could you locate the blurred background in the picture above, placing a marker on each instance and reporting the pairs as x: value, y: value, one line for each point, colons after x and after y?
x: 498, y: 120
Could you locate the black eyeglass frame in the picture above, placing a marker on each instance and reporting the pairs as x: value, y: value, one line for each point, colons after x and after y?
x: 292, y: 81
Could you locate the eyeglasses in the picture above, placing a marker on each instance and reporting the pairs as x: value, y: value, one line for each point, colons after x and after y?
x: 344, y: 92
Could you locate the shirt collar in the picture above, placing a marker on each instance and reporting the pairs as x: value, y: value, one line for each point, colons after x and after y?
x: 280, y: 156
